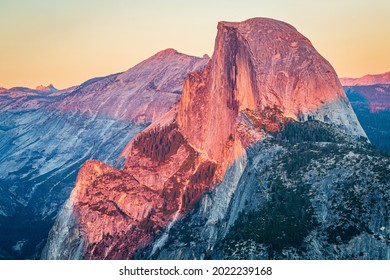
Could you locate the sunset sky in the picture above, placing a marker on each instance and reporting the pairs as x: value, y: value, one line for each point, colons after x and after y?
x: 66, y: 42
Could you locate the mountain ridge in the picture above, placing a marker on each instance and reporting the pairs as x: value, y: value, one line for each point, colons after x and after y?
x: 143, y: 91
x: 366, y: 80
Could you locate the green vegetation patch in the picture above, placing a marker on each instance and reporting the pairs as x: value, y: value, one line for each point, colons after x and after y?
x: 283, y: 221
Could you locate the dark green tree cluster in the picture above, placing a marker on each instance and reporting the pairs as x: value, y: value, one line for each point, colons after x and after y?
x: 299, y: 158
x: 204, y: 174
x: 309, y: 131
x: 159, y: 143
x: 282, y: 222
x: 349, y: 214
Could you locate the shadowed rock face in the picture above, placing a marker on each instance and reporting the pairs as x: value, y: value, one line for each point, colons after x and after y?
x: 263, y: 73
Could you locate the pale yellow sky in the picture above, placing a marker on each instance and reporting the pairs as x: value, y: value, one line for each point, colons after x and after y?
x: 66, y: 42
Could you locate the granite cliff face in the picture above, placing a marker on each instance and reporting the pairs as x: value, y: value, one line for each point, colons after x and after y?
x: 262, y: 76
x: 264, y: 71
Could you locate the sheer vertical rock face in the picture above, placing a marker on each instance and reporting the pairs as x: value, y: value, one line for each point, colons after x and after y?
x: 263, y: 73
x: 259, y: 64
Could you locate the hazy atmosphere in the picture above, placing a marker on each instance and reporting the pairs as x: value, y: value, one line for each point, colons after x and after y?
x: 68, y: 42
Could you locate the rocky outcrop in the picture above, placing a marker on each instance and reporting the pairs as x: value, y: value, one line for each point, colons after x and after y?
x: 367, y: 80
x: 41, y: 154
x: 119, y: 211
x: 263, y: 74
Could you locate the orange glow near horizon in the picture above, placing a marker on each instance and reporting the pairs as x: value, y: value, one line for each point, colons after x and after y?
x: 68, y: 42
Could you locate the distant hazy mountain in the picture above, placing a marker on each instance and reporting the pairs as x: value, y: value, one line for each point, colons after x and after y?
x: 372, y: 107
x: 367, y: 80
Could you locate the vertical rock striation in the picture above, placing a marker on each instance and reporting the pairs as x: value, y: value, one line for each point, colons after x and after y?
x: 257, y: 65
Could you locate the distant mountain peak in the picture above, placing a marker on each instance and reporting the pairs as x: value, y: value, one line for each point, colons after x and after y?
x: 167, y: 52
x: 50, y: 88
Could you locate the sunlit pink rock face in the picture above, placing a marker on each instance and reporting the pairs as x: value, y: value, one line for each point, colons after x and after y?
x: 262, y: 74
x: 143, y: 93
x: 109, y: 205
x: 259, y: 65
x: 383, y: 79
x: 120, y: 211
